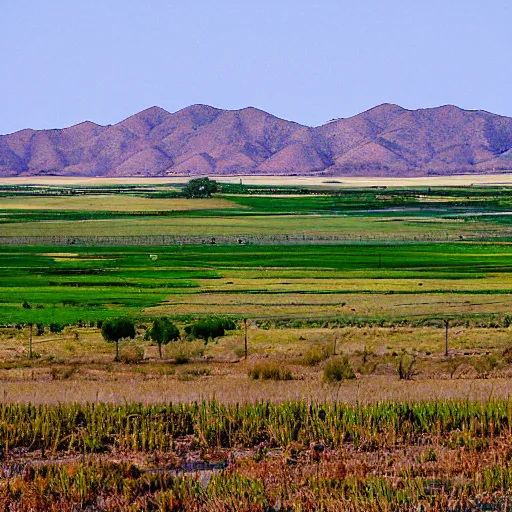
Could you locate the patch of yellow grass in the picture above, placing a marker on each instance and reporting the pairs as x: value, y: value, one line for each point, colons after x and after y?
x: 265, y: 225
x: 114, y: 203
x: 314, y: 305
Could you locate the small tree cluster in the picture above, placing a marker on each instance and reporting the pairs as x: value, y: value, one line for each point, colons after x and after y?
x: 200, y: 187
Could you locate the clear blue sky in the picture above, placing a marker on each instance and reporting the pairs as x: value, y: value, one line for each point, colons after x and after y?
x: 65, y: 61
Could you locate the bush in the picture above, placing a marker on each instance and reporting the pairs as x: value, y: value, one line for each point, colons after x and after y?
x: 132, y: 355
x: 507, y: 355
x: 406, y: 367
x: 56, y: 328
x: 316, y: 354
x: 269, y: 371
x: 181, y: 359
x: 338, y: 369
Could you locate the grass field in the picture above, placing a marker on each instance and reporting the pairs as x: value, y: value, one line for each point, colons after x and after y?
x: 412, y: 213
x: 351, y: 281
x: 385, y: 228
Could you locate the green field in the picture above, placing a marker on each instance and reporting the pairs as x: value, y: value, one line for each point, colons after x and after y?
x: 343, y: 281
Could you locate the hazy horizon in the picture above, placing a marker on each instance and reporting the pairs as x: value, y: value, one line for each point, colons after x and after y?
x: 64, y: 64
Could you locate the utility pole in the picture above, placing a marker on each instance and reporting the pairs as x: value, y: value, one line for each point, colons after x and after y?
x: 30, y: 342
x: 245, y: 338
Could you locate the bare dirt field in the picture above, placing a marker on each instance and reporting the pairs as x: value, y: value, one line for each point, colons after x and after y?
x: 501, y: 179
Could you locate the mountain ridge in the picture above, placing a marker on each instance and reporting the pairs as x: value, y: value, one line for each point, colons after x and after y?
x: 386, y: 140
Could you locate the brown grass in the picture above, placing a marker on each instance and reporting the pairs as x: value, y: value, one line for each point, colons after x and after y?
x: 72, y: 369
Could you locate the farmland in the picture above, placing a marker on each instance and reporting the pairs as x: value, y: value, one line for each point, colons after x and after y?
x: 346, y: 301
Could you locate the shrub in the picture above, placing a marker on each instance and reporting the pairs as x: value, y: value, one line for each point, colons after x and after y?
x: 338, y: 369
x: 507, y: 355
x: 132, y: 355
x: 181, y: 359
x: 316, y: 354
x: 406, y: 367
x: 485, y: 365
x: 269, y: 371
x: 56, y: 328
x: 200, y: 372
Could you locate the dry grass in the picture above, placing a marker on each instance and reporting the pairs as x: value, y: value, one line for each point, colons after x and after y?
x: 113, y: 203
x: 355, y: 228
x: 317, y: 305
x: 72, y: 369
x: 324, y: 181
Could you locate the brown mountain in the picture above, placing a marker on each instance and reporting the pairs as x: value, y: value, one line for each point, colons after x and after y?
x: 202, y: 140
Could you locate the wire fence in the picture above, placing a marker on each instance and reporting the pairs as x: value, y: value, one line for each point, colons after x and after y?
x: 275, y: 239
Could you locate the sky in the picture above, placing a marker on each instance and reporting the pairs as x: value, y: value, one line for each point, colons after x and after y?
x: 63, y: 62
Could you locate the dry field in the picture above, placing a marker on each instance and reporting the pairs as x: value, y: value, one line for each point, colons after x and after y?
x: 503, y: 179
x: 381, y: 228
x: 112, y: 203
x: 76, y: 366
x: 321, y: 305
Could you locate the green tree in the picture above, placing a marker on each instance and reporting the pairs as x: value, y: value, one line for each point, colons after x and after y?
x: 200, y: 187
x: 162, y: 332
x: 117, y: 329
x: 207, y: 328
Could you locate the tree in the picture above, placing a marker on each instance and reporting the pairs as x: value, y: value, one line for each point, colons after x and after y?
x: 162, y: 332
x: 212, y: 327
x: 117, y: 329
x: 200, y: 187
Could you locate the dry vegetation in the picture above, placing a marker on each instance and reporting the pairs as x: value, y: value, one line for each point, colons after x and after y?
x: 324, y: 181
x: 192, y: 370
x: 112, y: 203
x: 354, y: 228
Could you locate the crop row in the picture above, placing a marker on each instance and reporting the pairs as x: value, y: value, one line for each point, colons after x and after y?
x: 136, y: 427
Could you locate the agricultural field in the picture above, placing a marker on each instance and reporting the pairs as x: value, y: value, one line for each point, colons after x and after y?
x: 262, y: 214
x: 364, y: 361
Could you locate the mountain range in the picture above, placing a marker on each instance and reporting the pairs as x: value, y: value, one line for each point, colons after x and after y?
x: 387, y: 140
